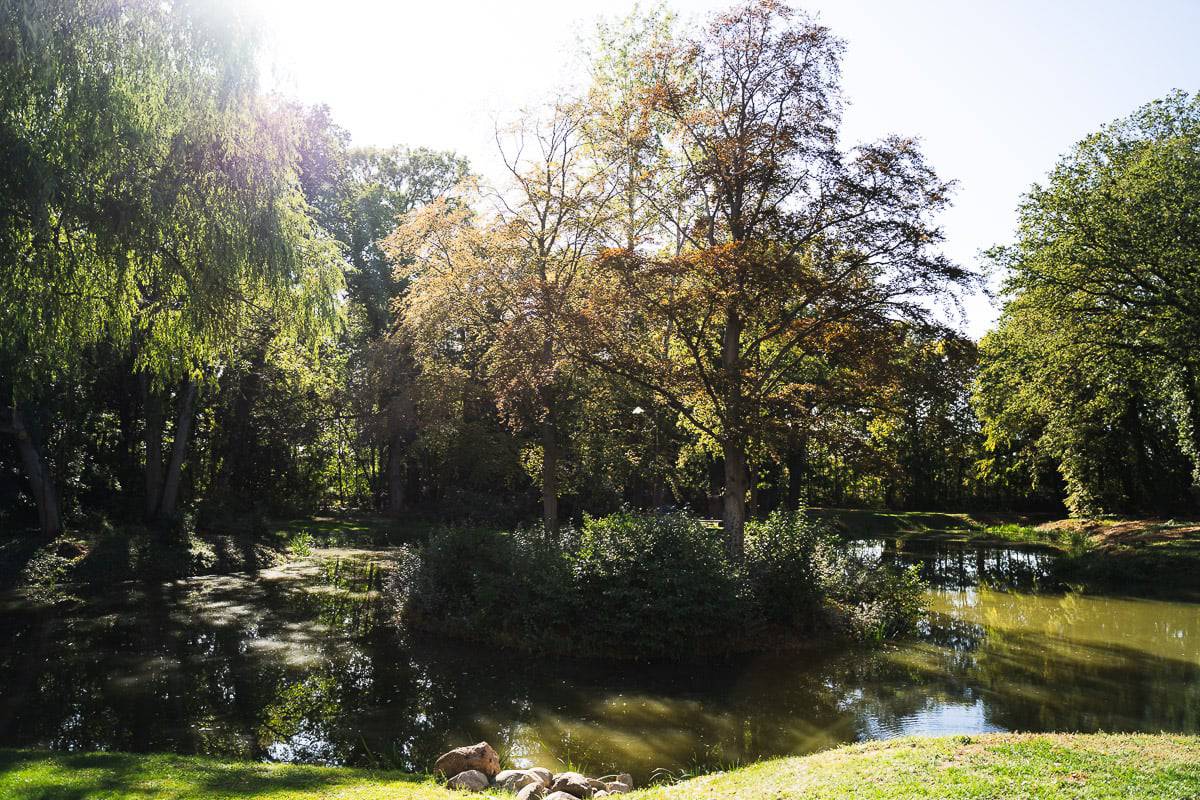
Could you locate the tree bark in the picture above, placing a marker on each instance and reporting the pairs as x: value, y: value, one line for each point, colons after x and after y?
x: 38, y: 471
x: 736, y: 483
x: 550, y: 457
x: 183, y: 429
x: 734, y: 444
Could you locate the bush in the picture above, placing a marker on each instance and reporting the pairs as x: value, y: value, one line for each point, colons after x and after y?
x: 783, y: 573
x: 654, y: 585
x: 639, y: 585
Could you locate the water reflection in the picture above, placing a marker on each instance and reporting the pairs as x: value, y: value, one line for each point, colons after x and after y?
x: 959, y: 565
x: 302, y: 664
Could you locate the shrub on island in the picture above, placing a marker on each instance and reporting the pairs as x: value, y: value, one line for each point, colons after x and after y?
x: 634, y: 585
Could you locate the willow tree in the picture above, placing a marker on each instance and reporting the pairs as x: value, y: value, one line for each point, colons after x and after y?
x: 151, y: 204
x: 773, y: 244
x: 492, y: 271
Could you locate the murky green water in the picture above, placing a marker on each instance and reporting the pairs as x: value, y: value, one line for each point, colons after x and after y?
x: 300, y: 664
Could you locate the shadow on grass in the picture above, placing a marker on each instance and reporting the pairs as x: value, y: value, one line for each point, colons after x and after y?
x: 32, y: 775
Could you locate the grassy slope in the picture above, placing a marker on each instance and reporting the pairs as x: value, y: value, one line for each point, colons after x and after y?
x: 997, y: 766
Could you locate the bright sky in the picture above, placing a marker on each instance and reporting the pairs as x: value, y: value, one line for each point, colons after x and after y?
x: 996, y: 90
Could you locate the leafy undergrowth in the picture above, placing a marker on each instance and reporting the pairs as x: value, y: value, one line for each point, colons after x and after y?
x: 1079, y: 767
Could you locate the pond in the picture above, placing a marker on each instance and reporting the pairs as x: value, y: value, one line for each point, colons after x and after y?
x: 300, y: 663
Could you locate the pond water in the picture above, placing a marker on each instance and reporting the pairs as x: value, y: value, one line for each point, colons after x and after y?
x: 301, y: 664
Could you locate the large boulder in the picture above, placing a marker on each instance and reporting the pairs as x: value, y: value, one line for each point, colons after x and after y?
x: 471, y: 780
x: 514, y: 780
x: 534, y: 791
x: 542, y: 774
x: 479, y: 757
x: 572, y: 783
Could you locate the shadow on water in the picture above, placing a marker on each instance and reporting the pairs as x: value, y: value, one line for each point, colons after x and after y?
x: 302, y: 663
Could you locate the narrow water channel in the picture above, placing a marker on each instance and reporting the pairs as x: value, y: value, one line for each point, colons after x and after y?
x: 301, y: 664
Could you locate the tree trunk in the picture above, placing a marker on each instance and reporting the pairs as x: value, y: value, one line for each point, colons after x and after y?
x: 183, y: 428
x: 153, y: 436
x: 796, y: 468
x: 1193, y: 410
x: 734, y: 445
x: 38, y: 471
x: 402, y: 415
x: 234, y: 478
x: 549, y: 475
x: 736, y: 483
x: 395, y: 474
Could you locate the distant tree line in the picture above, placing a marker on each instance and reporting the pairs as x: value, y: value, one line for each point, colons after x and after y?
x: 686, y: 292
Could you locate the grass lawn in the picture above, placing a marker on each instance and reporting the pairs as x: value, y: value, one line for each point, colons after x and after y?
x: 995, y: 766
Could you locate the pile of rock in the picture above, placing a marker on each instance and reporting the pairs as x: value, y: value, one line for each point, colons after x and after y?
x: 477, y: 767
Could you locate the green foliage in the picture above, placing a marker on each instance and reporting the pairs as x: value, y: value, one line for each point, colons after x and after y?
x: 655, y: 585
x: 300, y: 544
x: 1093, y: 368
x: 636, y: 585
x: 782, y: 567
x: 801, y: 576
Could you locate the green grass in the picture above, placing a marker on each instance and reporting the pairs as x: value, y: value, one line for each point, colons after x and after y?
x: 999, y: 766
x: 27, y: 775
x: 1081, y: 767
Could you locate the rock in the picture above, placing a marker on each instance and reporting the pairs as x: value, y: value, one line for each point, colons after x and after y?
x: 571, y: 783
x: 623, y: 777
x: 542, y: 774
x: 617, y: 787
x: 514, y: 780
x: 534, y: 791
x: 559, y: 796
x: 472, y: 780
x: 601, y: 793
x: 479, y: 757
x: 597, y: 785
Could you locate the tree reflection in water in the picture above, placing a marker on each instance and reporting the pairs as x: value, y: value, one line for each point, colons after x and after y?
x: 303, y: 663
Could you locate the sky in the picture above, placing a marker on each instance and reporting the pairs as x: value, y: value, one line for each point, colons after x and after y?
x: 996, y: 90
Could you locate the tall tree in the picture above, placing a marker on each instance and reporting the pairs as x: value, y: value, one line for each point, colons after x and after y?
x: 1107, y: 249
x: 499, y: 278
x: 383, y: 185
x: 153, y: 204
x: 774, y: 246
